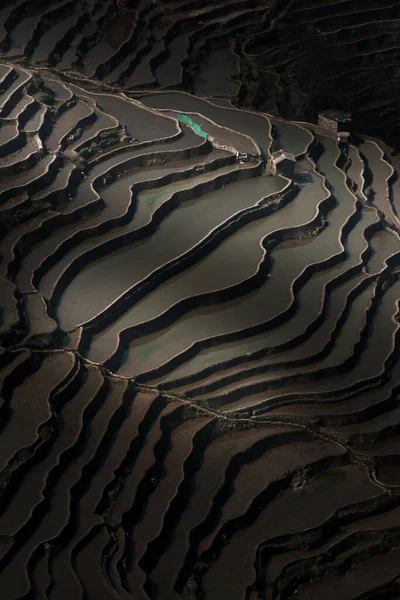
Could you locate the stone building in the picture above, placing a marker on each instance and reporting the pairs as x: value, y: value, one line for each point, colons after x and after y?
x: 284, y: 163
x: 336, y: 121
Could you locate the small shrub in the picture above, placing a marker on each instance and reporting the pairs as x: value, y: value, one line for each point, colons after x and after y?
x: 107, y: 134
x: 44, y: 98
x: 40, y: 342
x: 275, y: 146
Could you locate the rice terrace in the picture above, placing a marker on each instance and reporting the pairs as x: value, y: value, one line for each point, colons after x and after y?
x: 200, y: 300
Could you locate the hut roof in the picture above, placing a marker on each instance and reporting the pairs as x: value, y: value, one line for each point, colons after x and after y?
x: 336, y: 115
x: 277, y: 157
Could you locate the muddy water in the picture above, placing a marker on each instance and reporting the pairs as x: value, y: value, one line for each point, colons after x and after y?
x: 285, y: 268
x: 61, y: 93
x: 118, y: 30
x: 20, y: 106
x: 124, y: 64
x: 251, y: 124
x: 69, y: 57
x: 131, y: 265
x: 207, y: 482
x: 98, y: 54
x: 253, y: 478
x: 222, y: 135
x: 313, y: 344
x: 116, y: 207
x: 310, y: 306
x: 342, y: 351
x: 8, y: 131
x: 146, y: 203
x: 248, y: 311
x: 85, y: 193
x: 35, y: 121
x: 355, y: 170
x: 383, y: 244
x: 66, y: 122
x: 9, y: 316
x: 25, y: 177
x: 20, y: 81
x: 8, y: 242
x: 143, y: 74
x: 149, y: 200
x: 88, y: 30
x: 289, y: 512
x: 59, y: 183
x: 141, y: 124
x: 187, y: 139
x: 214, y: 76
x: 170, y: 71
x: 201, y: 278
x: 367, y: 398
x: 368, y: 366
x: 51, y: 36
x: 384, y: 328
x: 22, y: 33
x: 103, y: 123
x: 4, y: 70
x: 377, y: 573
x: 38, y: 319
x: 207, y: 275
x: 291, y: 137
x: 255, y: 307
x: 4, y: 14
x: 32, y: 145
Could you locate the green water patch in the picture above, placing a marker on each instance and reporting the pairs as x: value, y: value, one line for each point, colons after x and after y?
x: 192, y: 124
x: 149, y: 350
x: 153, y: 200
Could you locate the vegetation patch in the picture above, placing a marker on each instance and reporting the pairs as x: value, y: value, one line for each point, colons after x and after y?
x: 44, y: 98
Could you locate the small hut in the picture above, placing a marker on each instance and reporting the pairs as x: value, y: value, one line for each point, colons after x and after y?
x: 336, y: 121
x: 284, y: 163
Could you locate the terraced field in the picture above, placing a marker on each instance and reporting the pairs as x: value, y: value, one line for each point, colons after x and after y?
x: 287, y: 57
x: 199, y: 357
